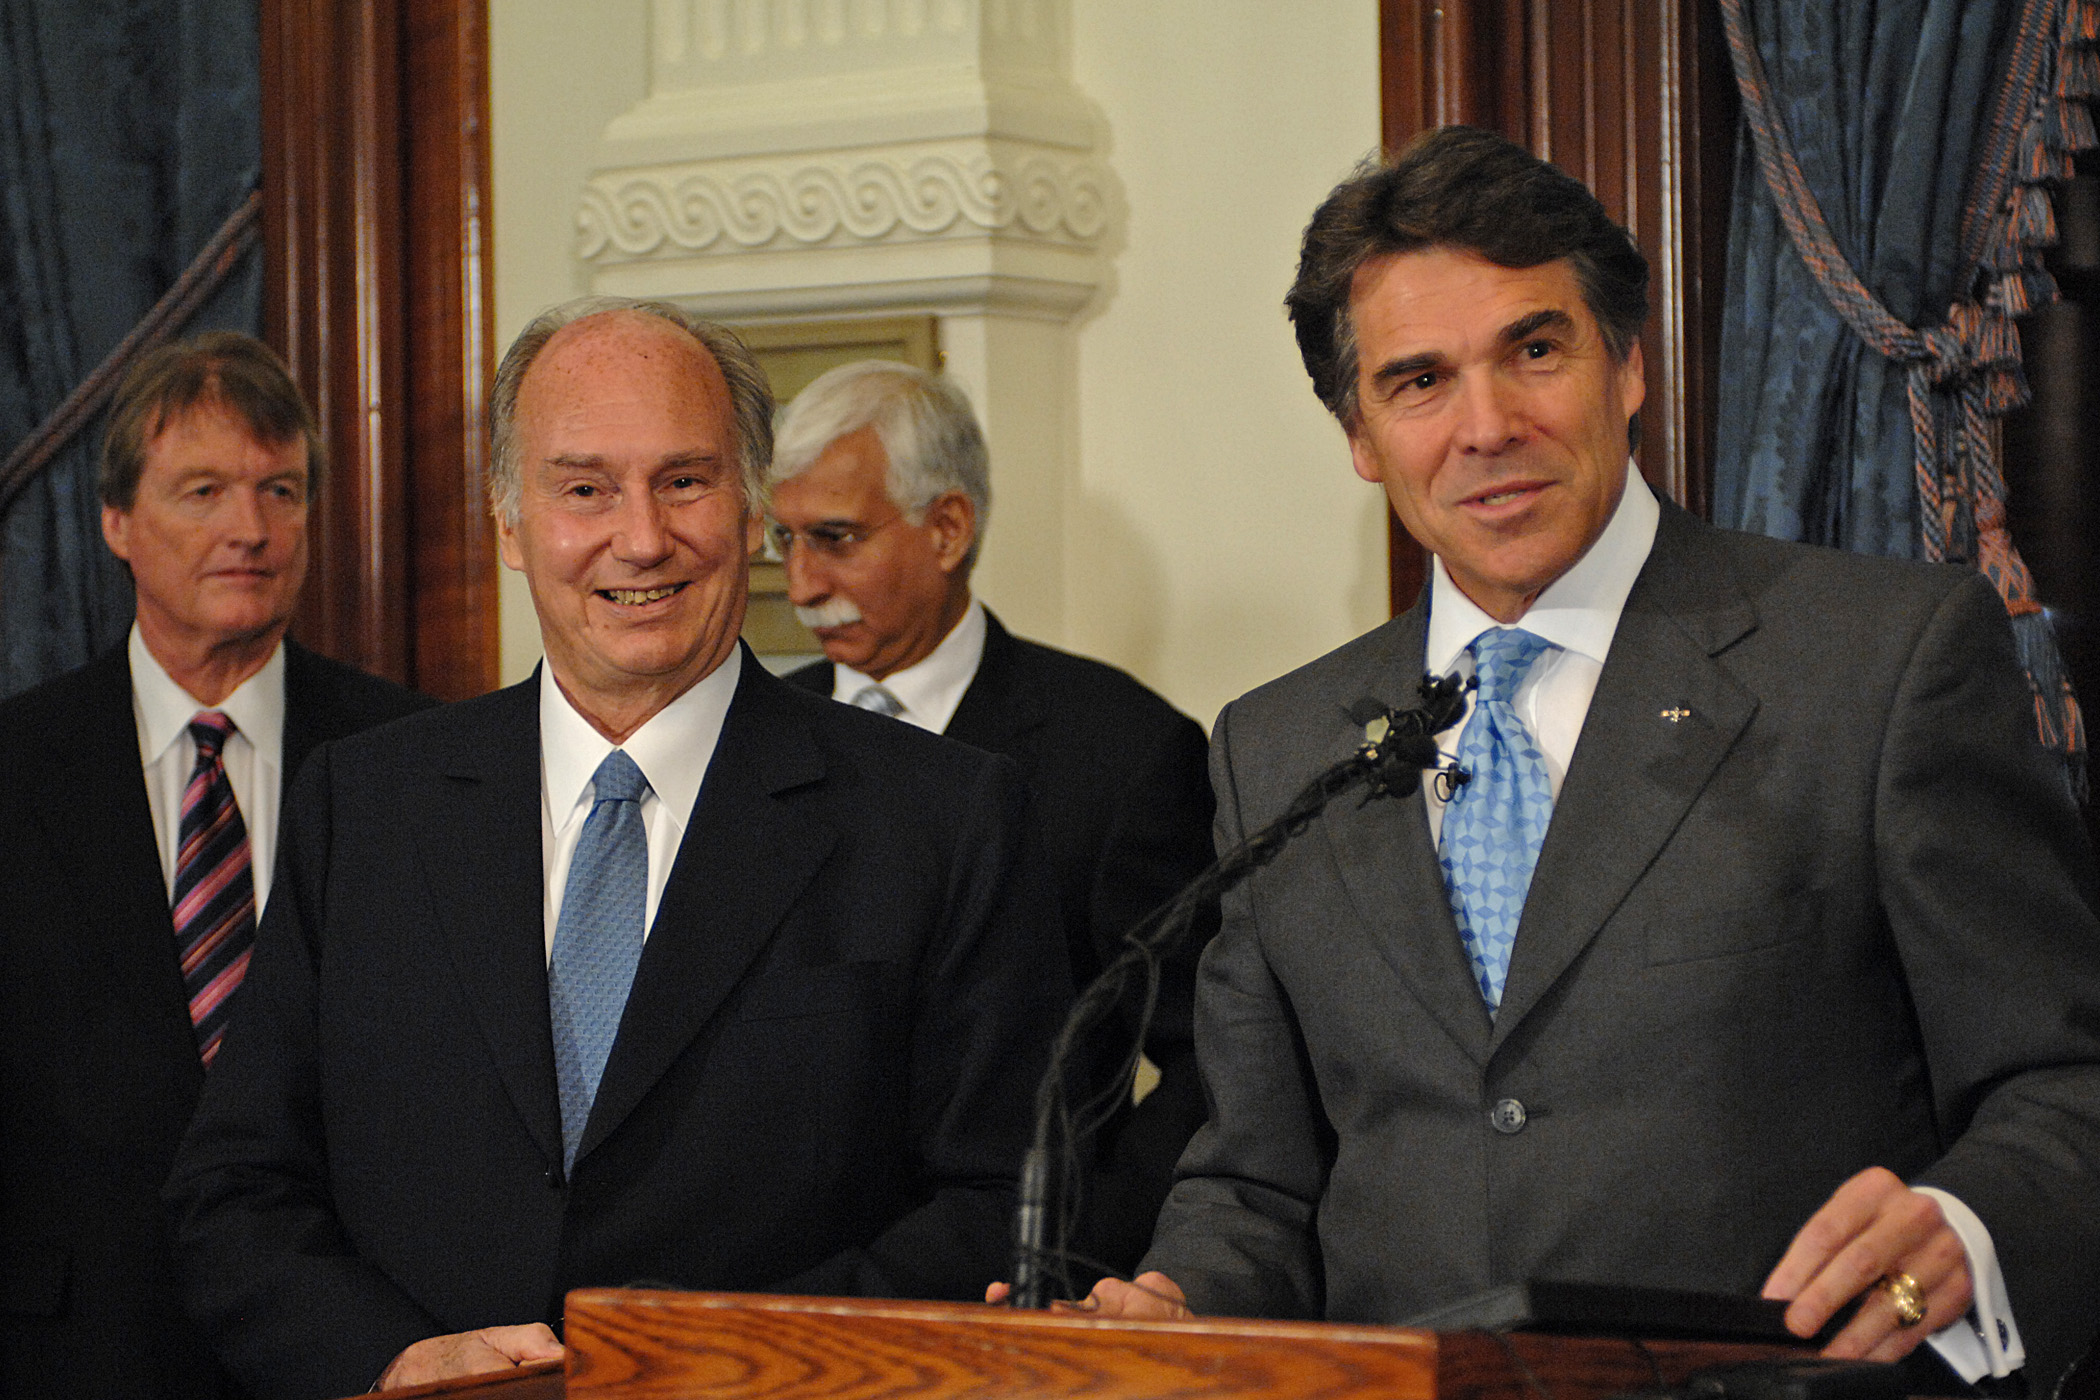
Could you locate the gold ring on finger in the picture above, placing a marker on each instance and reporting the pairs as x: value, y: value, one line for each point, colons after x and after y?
x: 1908, y: 1298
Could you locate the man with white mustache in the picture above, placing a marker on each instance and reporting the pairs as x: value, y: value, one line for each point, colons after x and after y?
x: 880, y: 497
x: 832, y: 614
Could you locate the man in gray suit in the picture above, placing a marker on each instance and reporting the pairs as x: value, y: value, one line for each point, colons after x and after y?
x: 1762, y: 905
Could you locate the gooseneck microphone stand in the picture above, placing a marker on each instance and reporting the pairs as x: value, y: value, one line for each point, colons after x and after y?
x: 1398, y: 746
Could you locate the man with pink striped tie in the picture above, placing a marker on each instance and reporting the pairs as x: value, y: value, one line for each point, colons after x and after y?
x: 136, y: 833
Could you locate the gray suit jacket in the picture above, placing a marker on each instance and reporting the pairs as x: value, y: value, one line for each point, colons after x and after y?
x: 1812, y: 900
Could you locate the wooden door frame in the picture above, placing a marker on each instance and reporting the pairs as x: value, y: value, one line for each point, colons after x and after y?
x: 377, y: 279
x: 1635, y: 98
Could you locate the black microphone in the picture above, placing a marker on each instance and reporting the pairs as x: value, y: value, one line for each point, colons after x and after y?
x: 1398, y: 746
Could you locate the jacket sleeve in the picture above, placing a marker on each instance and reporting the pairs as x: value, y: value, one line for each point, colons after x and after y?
x: 1988, y: 882
x: 267, y: 1269
x: 1158, y: 839
x: 1237, y: 1233
x: 991, y: 991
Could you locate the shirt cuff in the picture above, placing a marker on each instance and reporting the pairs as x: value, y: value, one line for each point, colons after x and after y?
x: 1985, y: 1342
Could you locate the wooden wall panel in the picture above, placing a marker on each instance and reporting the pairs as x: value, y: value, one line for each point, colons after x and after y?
x: 376, y: 270
x: 2050, y: 474
x: 450, y: 348
x: 1634, y: 98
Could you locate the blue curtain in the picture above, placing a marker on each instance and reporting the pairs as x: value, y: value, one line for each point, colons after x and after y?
x: 129, y: 131
x: 1885, y: 101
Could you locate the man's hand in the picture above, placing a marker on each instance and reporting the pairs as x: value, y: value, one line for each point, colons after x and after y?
x: 1152, y: 1297
x: 1872, y: 1228
x: 470, y: 1354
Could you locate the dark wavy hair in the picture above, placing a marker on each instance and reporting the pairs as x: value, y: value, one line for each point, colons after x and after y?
x: 1456, y: 187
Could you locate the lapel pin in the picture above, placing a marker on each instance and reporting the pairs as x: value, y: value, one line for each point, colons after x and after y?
x: 1676, y: 713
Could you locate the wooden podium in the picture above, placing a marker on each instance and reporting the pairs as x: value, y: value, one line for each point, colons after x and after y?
x: 639, y: 1345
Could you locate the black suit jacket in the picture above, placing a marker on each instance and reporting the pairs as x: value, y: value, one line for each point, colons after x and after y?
x: 1812, y: 899
x: 98, y: 1067
x: 1122, y: 801
x: 821, y: 1082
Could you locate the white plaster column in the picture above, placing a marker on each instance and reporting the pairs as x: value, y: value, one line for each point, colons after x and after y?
x: 820, y: 159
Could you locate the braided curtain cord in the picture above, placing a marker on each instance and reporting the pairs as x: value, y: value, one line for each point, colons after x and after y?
x: 1965, y: 371
x: 204, y: 276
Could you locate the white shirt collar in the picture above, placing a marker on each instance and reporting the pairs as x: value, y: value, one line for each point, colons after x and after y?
x: 930, y: 690
x: 672, y: 748
x: 1579, y: 611
x: 164, y: 709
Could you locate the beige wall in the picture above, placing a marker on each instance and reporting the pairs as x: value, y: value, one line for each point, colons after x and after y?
x: 559, y: 70
x: 1217, y: 537
x: 1221, y: 537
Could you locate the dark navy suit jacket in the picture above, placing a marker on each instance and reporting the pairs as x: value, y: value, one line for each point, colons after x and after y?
x: 1122, y: 802
x: 98, y: 1067
x: 821, y: 1082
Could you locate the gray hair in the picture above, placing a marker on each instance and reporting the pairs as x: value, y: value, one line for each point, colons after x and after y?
x: 750, y: 398
x: 923, y: 421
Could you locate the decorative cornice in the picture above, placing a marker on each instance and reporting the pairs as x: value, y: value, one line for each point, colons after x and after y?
x: 1000, y: 190
x: 704, y: 42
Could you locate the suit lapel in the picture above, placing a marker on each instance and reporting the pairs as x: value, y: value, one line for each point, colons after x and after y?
x: 309, y: 715
x: 745, y: 858
x: 818, y: 678
x: 117, y: 875
x: 1388, y: 865
x: 1664, y: 716
x: 301, y: 725
x: 997, y: 708
x: 480, y: 830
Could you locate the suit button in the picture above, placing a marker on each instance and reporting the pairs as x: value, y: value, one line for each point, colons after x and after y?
x: 1507, y: 1116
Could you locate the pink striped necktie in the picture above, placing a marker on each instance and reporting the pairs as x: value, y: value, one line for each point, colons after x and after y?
x: 214, y: 907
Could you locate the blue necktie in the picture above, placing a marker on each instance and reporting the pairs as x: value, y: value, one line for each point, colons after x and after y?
x: 1494, y: 826
x: 598, y: 941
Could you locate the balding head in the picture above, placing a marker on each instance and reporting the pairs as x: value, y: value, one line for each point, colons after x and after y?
x: 628, y: 509
x: 751, y: 400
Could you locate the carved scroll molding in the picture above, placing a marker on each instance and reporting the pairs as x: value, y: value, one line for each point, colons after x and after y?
x: 817, y: 157
x: 898, y: 194
x: 833, y: 159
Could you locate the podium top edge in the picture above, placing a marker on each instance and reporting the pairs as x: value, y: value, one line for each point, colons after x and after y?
x: 985, y: 1314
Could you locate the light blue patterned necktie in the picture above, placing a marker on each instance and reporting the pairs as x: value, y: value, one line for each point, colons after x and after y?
x: 598, y: 940
x: 1494, y: 826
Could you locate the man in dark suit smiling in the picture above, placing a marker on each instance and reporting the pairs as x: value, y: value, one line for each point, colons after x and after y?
x: 652, y: 967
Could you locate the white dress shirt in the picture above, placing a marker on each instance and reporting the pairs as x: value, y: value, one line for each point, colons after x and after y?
x: 253, y: 755
x: 672, y: 748
x: 929, y: 690
x: 1577, y: 615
